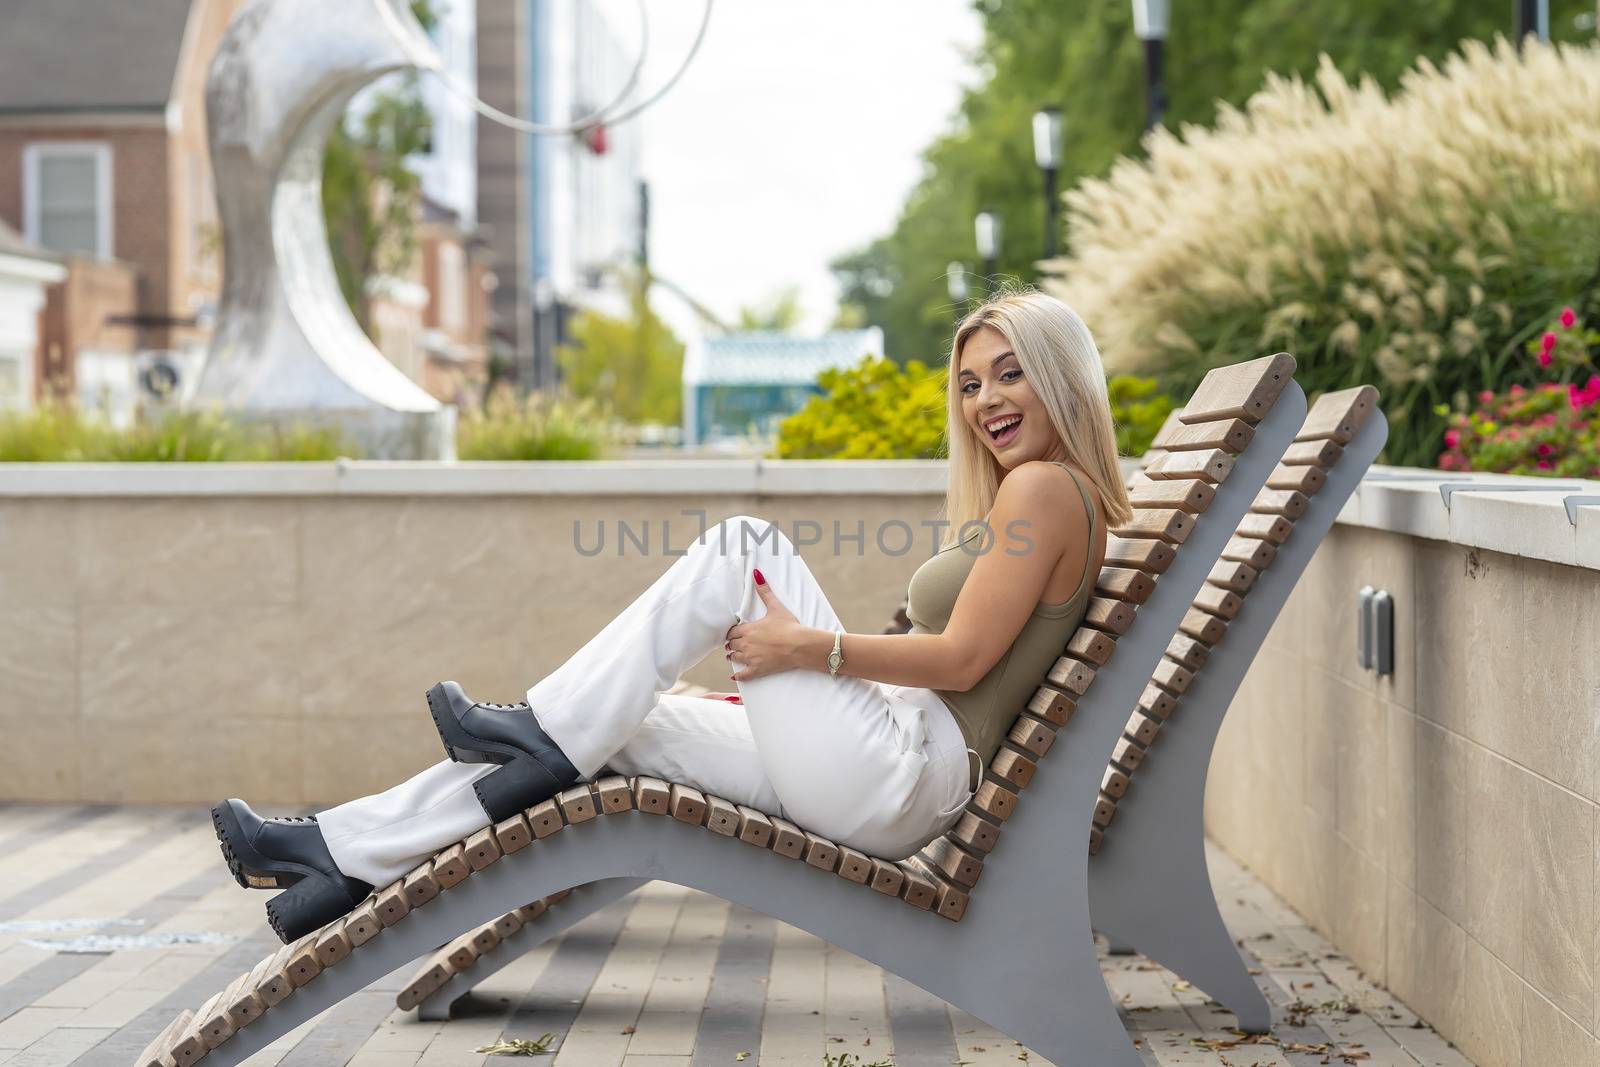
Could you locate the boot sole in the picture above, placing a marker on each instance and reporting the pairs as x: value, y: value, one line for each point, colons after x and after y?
x: 457, y: 741
x: 250, y: 868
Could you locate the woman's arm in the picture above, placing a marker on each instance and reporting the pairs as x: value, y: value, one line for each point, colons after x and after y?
x: 1038, y: 518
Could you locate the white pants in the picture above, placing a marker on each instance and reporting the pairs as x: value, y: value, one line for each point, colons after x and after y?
x: 881, y: 768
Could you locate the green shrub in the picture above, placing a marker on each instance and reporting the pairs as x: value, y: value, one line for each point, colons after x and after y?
x: 876, y: 409
x: 1393, y: 240
x: 879, y: 410
x: 541, y: 426
x: 58, y: 433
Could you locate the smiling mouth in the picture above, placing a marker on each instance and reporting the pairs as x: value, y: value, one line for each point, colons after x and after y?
x: 1004, y: 430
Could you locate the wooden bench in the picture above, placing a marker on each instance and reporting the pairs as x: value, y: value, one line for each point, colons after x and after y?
x: 1039, y: 981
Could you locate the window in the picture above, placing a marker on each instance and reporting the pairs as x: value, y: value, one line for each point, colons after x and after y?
x: 66, y: 197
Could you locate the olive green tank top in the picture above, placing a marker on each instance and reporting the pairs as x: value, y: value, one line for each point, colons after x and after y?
x: 986, y: 711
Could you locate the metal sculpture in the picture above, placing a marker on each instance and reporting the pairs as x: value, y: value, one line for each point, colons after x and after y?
x: 286, y: 347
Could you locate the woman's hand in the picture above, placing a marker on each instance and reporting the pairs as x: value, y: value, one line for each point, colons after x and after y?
x: 770, y: 644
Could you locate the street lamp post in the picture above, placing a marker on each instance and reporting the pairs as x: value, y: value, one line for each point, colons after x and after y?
x: 1533, y: 19
x: 1150, y: 26
x: 987, y: 227
x: 1047, y: 153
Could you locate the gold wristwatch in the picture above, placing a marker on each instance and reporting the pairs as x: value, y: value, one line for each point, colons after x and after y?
x: 836, y: 657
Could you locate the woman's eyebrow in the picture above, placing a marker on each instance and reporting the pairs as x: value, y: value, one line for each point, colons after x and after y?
x: 992, y: 362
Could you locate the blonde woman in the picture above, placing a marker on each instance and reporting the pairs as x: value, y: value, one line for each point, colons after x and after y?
x: 875, y: 741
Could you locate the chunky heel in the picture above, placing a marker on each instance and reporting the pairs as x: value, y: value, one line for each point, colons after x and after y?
x: 517, y: 785
x: 451, y: 733
x: 308, y: 905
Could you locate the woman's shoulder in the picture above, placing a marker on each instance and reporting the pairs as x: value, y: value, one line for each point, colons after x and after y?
x: 1044, y: 487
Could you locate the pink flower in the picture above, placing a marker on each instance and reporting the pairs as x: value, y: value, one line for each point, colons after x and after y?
x: 1485, y: 397
x: 1517, y: 390
x: 1544, y: 465
x: 1544, y: 357
x: 1452, y: 438
x: 1545, y: 450
x: 1548, y: 341
x: 1568, y: 317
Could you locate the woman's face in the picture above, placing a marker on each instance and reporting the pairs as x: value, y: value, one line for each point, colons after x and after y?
x: 1000, y: 405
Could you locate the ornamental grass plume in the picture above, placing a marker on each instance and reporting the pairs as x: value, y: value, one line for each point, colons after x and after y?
x: 1396, y: 240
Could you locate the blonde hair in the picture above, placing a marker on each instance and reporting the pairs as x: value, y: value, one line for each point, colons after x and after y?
x: 1062, y: 365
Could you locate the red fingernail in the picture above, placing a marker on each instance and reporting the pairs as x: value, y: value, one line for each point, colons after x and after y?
x: 733, y: 700
x: 760, y: 580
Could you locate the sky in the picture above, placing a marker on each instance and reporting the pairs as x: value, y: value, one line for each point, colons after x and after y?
x: 795, y: 136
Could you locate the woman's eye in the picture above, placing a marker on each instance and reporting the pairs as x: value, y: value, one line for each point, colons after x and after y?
x: 1014, y: 373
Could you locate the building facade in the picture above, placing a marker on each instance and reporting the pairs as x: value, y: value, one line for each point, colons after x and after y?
x: 562, y: 213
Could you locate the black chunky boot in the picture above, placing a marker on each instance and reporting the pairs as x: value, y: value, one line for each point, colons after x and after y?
x: 533, y: 767
x: 287, y: 854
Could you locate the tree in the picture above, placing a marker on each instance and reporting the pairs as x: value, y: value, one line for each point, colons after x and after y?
x: 635, y: 365
x: 782, y: 313
x: 369, y: 195
x: 1085, y: 59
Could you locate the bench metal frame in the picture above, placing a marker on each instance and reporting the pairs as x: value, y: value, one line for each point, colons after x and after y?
x: 1150, y: 886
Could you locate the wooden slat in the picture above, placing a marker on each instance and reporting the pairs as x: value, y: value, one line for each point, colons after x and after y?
x: 577, y: 804
x: 481, y: 849
x: 1092, y: 646
x: 362, y: 924
x: 1286, y: 502
x: 820, y: 852
x: 544, y: 818
x: 485, y: 939
x: 854, y: 866
x: 154, y: 1053
x: 1232, y: 575
x: 392, y: 905
x: 651, y: 796
x: 722, y: 816
x: 248, y: 1004
x: 1096, y: 839
x: 1209, y: 465
x: 1169, y: 525
x: 917, y: 889
x: 1032, y: 735
x: 216, y: 1026
x: 1157, y: 702
x: 558, y: 896
x: 788, y: 840
x: 1305, y: 480
x: 1221, y: 602
x: 994, y: 800
x: 1242, y: 390
x: 1051, y: 705
x: 190, y: 1046
x: 1170, y: 425
x: 975, y: 833
x: 421, y: 885
x: 886, y: 877
x: 333, y: 945
x: 1071, y: 674
x: 507, y: 924
x: 422, y: 987
x: 1258, y: 554
x: 303, y: 965
x: 1203, y: 626
x: 514, y: 834
x: 1112, y: 616
x: 1105, y: 809
x: 615, y: 794
x: 949, y: 899
x: 1141, y: 553
x: 273, y: 985
x: 1114, y: 783
x: 945, y: 856
x: 1187, y: 651
x: 1122, y: 583
x: 1013, y: 767
x: 1127, y: 754
x: 450, y: 867
x: 1322, y: 454
x: 1227, y: 435
x: 461, y: 953
x: 529, y: 913
x: 754, y: 827
x: 1171, y: 677
x: 686, y: 804
x: 1274, y: 528
x: 1192, y: 496
x: 1142, y: 728
x: 1338, y: 416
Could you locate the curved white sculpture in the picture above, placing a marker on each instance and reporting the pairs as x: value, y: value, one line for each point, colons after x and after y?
x: 286, y: 347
